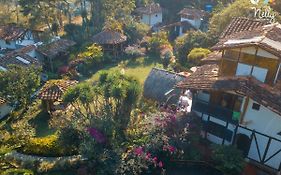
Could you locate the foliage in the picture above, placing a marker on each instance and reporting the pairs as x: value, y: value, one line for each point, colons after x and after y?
x: 197, y: 54
x: 114, y: 95
x: 42, y: 12
x: 91, y: 58
x: 239, y: 8
x: 167, y: 55
x: 134, y: 51
x: 17, y: 172
x: 107, y: 10
x: 75, y: 32
x: 155, y: 139
x: 19, y: 83
x: 135, y: 31
x: 46, y: 146
x: 70, y: 137
x: 22, y: 131
x: 157, y: 41
x: 187, y: 42
x: 228, y: 159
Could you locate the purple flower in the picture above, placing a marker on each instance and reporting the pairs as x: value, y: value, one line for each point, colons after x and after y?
x: 97, y: 135
x: 160, y: 164
x: 148, y: 156
x: 138, y: 151
x: 171, y: 149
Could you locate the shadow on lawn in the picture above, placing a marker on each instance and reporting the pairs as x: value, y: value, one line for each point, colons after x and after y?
x: 41, y: 124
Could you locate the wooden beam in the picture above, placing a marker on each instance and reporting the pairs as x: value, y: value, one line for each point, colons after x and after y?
x: 245, y: 107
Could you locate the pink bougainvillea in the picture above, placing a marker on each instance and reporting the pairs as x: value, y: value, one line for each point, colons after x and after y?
x: 97, y: 135
x: 138, y: 151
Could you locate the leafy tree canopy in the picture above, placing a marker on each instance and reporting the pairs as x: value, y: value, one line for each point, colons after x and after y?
x: 18, y: 84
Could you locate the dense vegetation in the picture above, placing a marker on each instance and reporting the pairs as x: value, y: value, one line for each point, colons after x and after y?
x: 106, y: 120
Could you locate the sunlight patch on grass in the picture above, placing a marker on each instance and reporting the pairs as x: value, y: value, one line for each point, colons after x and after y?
x: 138, y: 68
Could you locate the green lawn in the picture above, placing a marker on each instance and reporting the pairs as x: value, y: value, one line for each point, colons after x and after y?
x: 41, y: 124
x: 139, y: 68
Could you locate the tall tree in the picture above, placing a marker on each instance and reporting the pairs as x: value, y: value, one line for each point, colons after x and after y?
x: 18, y: 84
x: 106, y: 10
x: 40, y: 12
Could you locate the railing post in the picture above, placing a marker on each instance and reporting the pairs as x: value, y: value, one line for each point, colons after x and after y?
x: 266, y: 150
x: 224, y: 135
x: 235, y: 134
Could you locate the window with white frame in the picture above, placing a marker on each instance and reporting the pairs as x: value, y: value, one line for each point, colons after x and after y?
x: 257, y: 72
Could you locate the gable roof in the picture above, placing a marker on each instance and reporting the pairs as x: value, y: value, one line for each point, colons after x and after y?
x: 109, y: 37
x: 159, y: 82
x: 240, y: 24
x: 267, y: 37
x: 150, y: 9
x: 193, y: 12
x: 54, y: 48
x: 207, y: 78
x: 19, y: 57
x: 54, y: 89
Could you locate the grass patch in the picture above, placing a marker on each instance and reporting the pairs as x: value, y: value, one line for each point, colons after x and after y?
x: 138, y: 68
x: 41, y: 124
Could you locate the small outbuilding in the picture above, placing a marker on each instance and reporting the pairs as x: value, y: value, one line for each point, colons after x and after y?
x: 52, y: 92
x: 111, y: 41
x: 57, y: 50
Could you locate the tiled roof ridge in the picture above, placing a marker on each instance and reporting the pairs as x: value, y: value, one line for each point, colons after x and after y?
x: 167, y: 71
x: 240, y: 24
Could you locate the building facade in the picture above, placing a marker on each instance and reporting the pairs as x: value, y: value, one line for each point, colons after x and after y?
x: 150, y: 14
x: 239, y: 96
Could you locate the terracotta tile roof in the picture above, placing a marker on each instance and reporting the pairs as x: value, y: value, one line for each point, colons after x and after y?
x: 109, y: 37
x: 54, y: 89
x: 206, y: 78
x: 202, y: 78
x: 54, y: 48
x: 11, y: 32
x: 150, y: 9
x: 2, y: 101
x: 193, y: 12
x: 267, y: 37
x: 19, y: 57
x: 240, y: 24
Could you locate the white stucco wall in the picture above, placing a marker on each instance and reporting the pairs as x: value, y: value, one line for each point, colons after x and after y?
x: 264, y: 120
x: 267, y: 122
x: 195, y: 23
x: 152, y: 19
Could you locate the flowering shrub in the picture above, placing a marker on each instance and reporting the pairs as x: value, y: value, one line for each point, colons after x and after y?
x: 158, y: 139
x: 138, y: 160
x: 46, y: 146
x: 134, y: 51
x: 97, y: 135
